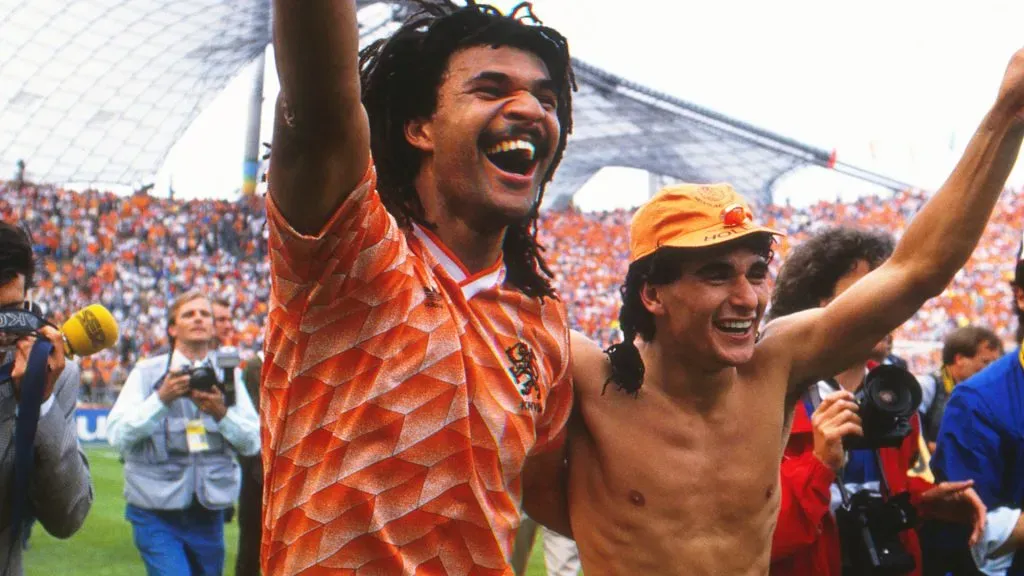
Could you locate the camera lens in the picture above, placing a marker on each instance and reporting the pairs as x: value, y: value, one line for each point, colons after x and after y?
x: 893, y: 391
x: 887, y: 401
x: 887, y: 397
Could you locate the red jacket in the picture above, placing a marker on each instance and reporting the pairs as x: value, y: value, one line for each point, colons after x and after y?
x: 806, y: 540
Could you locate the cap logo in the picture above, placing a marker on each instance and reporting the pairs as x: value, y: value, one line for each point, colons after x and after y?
x: 736, y: 215
x: 711, y: 196
x: 715, y: 236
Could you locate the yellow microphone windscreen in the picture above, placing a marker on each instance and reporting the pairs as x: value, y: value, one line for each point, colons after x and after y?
x: 90, y: 330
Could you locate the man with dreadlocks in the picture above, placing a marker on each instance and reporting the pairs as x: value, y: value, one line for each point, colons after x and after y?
x: 417, y: 358
x: 681, y: 475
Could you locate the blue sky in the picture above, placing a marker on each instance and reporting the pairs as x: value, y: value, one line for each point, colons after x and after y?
x: 896, y: 86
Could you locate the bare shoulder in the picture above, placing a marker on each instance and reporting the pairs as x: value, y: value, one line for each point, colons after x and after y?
x: 781, y: 335
x: 779, y: 343
x: 590, y: 365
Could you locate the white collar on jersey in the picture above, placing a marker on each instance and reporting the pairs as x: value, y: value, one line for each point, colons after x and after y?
x: 471, y: 284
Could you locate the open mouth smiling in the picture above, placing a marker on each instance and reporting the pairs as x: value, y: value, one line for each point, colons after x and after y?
x: 514, y: 155
x: 735, y: 326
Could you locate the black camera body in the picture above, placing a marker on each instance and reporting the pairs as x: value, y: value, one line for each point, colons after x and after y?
x: 217, y: 371
x: 201, y: 377
x: 870, y: 522
x: 869, y: 529
x: 888, y: 399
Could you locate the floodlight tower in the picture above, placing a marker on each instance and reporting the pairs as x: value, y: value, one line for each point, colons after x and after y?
x: 251, y: 161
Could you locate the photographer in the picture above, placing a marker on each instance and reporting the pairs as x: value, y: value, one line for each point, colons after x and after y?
x: 180, y: 436
x: 223, y: 322
x: 807, y: 537
x: 60, y: 492
x: 965, y: 352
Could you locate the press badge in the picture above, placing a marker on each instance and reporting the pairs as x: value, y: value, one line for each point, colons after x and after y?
x: 195, y: 432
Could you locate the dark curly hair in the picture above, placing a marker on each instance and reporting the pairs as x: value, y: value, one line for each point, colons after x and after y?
x: 400, y: 78
x: 664, y: 266
x: 811, y: 271
x: 15, y: 255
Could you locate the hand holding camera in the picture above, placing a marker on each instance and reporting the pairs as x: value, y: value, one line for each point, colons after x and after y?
x: 200, y: 383
x: 835, y: 419
x: 54, y: 363
x: 210, y: 401
x: 175, y: 385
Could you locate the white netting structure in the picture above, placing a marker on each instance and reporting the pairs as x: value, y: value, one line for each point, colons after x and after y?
x: 100, y: 90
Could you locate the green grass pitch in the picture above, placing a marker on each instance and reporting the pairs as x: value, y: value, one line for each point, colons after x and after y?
x: 104, y: 547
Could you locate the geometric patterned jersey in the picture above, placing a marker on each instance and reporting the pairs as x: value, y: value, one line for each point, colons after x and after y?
x: 400, y: 398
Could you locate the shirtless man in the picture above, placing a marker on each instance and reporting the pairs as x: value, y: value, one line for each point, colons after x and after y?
x: 680, y: 475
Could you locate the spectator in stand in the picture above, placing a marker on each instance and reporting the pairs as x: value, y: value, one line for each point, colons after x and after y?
x: 122, y: 252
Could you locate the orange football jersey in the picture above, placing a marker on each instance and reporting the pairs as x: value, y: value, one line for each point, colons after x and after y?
x: 401, y: 397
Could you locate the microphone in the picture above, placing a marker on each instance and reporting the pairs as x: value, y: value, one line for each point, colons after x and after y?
x: 88, y: 331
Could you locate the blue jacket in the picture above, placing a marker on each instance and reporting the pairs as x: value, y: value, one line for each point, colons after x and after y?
x: 982, y: 437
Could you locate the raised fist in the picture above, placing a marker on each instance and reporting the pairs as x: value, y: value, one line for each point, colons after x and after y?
x: 1011, y: 93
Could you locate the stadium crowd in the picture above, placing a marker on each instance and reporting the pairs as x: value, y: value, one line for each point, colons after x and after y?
x: 133, y: 253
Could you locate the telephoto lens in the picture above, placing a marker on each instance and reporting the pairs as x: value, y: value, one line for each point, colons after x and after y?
x: 889, y: 397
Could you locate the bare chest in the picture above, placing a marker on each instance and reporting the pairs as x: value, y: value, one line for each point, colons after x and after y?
x: 660, y: 467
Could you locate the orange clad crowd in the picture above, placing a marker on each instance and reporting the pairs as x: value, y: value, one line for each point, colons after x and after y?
x: 133, y: 254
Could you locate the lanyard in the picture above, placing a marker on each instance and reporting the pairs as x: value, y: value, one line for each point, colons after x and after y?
x: 25, y: 425
x: 947, y: 380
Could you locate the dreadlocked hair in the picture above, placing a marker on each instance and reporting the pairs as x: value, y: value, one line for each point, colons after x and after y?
x: 400, y: 78
x: 664, y: 266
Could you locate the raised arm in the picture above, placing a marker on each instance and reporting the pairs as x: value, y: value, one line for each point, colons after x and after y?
x: 825, y: 341
x: 321, y: 143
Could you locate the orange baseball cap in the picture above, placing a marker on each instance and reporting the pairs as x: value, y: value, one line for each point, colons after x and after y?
x: 691, y: 216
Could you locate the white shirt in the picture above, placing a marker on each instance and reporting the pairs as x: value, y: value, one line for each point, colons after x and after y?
x: 138, y: 410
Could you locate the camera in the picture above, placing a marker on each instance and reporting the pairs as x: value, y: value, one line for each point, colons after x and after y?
x: 869, y: 529
x: 887, y: 400
x: 201, y: 377
x: 218, y: 371
x: 869, y: 521
x: 226, y: 359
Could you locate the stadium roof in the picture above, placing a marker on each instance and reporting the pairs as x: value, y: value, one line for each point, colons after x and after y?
x: 100, y: 90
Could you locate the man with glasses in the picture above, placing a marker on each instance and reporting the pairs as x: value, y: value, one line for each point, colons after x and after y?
x: 60, y: 492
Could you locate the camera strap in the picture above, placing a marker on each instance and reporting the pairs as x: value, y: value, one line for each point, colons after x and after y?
x: 812, y: 400
x: 25, y: 425
x: 812, y: 397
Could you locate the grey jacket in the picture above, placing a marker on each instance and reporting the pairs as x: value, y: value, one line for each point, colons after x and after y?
x: 61, y: 491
